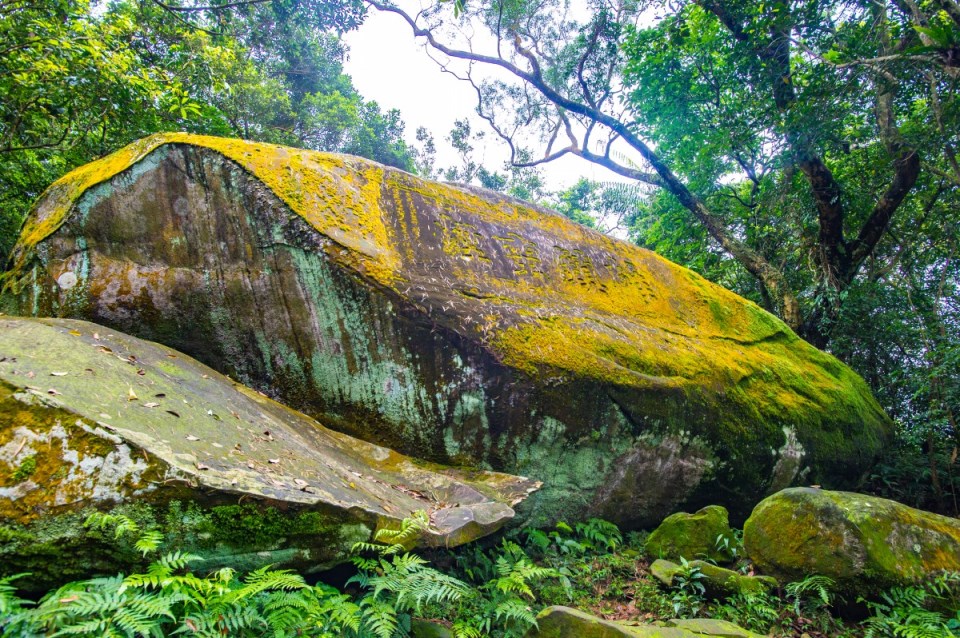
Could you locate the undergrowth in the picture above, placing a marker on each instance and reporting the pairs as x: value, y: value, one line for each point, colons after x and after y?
x: 481, y: 590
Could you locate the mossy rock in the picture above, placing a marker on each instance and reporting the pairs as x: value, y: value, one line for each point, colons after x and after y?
x: 711, y: 627
x: 565, y: 622
x: 692, y: 536
x: 420, y: 628
x: 864, y: 543
x: 95, y: 420
x: 717, y: 581
x: 450, y: 323
x: 664, y: 570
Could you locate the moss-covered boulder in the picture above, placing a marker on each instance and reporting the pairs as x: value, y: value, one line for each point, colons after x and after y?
x: 690, y: 536
x: 91, y: 419
x: 711, y: 627
x: 717, y: 581
x: 450, y: 323
x: 863, y: 542
x: 565, y: 622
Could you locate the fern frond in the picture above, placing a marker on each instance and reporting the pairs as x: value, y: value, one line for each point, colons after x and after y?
x: 379, y: 617
x: 149, y: 541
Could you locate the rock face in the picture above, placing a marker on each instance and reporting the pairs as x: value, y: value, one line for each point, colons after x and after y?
x: 697, y: 535
x: 91, y: 419
x: 450, y: 323
x: 862, y: 542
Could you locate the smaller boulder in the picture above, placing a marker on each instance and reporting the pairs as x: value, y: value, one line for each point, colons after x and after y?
x: 864, y: 543
x: 664, y: 570
x: 698, y: 535
x: 420, y: 628
x: 564, y: 622
x: 711, y: 627
x: 717, y: 581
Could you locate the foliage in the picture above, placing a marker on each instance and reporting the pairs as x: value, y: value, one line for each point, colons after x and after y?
x: 493, y: 591
x: 169, y: 600
x: 689, y: 590
x: 78, y: 81
x: 910, y: 612
x: 398, y: 582
x: 811, y: 592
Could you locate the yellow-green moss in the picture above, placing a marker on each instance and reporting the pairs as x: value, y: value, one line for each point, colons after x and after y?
x: 338, y: 197
x: 863, y: 542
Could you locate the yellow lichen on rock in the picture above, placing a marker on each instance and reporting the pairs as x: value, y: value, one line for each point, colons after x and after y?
x: 446, y: 320
x: 337, y: 196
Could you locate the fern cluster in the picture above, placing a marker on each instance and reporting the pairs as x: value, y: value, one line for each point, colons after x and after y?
x: 490, y: 592
x: 915, y: 612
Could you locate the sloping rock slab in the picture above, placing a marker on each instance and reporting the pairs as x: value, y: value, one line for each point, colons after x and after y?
x: 718, y: 582
x: 449, y: 323
x: 92, y: 418
x: 565, y: 622
x: 863, y: 542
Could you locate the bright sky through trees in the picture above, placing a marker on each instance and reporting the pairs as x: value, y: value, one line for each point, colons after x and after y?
x: 390, y: 67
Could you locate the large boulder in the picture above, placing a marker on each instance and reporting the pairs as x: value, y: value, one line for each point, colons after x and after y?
x: 91, y: 419
x: 451, y: 323
x: 863, y: 542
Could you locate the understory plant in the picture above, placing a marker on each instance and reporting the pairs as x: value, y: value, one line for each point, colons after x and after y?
x: 483, y: 590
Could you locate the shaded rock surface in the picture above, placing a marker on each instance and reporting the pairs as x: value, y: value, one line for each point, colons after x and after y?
x: 690, y: 536
x: 863, y: 542
x: 451, y: 323
x: 565, y: 622
x: 94, y: 419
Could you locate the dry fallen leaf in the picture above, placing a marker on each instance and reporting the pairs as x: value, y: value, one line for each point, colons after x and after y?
x: 75, y: 333
x: 173, y: 413
x: 58, y: 374
x: 96, y: 336
x: 300, y: 483
x: 203, y: 466
x: 273, y: 460
x: 53, y: 392
x: 131, y: 395
x: 190, y: 437
x: 150, y: 405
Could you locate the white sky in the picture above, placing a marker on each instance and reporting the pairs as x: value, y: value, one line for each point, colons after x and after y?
x: 388, y: 65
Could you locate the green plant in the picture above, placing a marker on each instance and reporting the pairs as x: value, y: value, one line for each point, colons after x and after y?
x: 169, y: 599
x: 399, y: 583
x: 25, y: 470
x: 689, y: 590
x: 910, y: 612
x: 731, y: 545
x: 810, y: 594
x: 503, y: 604
x: 756, y: 611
